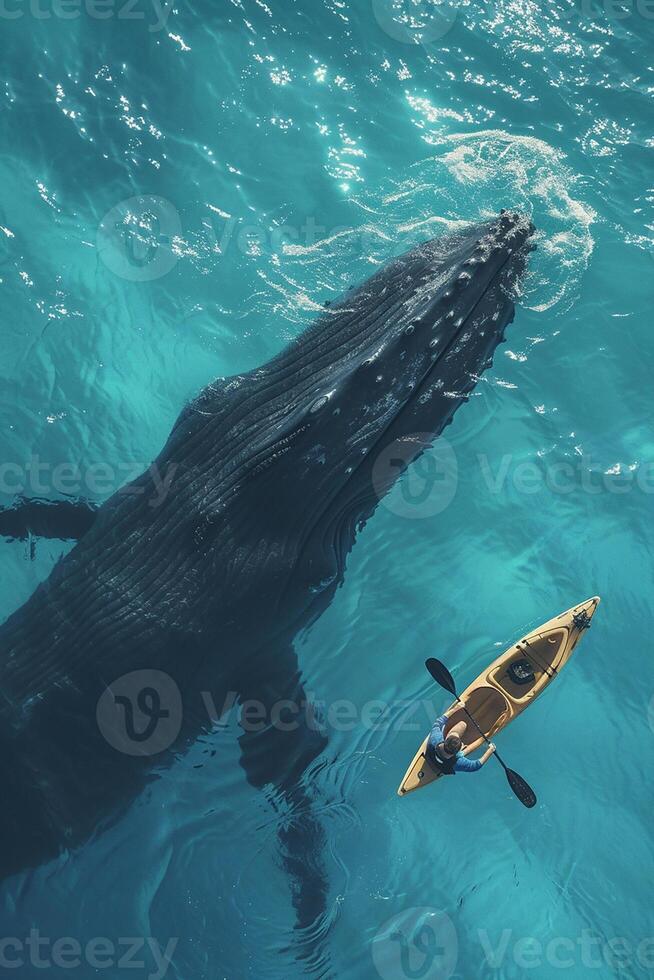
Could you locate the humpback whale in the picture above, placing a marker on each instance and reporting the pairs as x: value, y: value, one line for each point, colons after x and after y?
x: 274, y: 476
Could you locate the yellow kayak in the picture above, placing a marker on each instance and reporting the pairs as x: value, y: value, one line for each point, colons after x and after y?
x: 508, y: 686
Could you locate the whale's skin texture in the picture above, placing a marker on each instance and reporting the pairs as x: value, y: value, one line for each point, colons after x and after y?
x: 272, y: 479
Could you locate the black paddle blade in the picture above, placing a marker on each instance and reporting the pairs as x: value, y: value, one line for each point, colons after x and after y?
x: 522, y: 790
x: 441, y: 674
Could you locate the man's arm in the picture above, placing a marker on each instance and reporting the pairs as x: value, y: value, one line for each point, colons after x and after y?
x: 467, y: 765
x: 473, y: 765
x: 436, y: 733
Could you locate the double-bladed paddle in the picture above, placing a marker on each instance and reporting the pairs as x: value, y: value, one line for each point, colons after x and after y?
x: 442, y: 676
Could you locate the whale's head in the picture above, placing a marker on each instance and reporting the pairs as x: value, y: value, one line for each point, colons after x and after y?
x: 387, y: 366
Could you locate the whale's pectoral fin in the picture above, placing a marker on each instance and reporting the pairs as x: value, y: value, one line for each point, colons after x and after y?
x: 282, y: 738
x: 35, y: 517
x: 282, y: 732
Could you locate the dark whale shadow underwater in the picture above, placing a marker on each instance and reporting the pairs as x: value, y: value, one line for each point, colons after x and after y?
x: 274, y: 473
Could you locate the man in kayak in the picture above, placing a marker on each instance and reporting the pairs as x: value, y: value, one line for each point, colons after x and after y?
x: 445, y: 752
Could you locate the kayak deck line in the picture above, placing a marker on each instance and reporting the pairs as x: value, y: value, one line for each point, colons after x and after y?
x: 495, y: 698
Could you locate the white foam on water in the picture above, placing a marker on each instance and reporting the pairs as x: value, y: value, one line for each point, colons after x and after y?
x: 470, y: 177
x: 484, y: 171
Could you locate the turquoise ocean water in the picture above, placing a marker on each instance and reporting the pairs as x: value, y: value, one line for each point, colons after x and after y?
x: 257, y: 158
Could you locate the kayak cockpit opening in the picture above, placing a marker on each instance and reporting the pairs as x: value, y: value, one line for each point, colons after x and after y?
x: 490, y: 710
x: 532, y: 666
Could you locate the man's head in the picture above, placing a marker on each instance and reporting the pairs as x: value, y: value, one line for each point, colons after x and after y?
x: 452, y: 744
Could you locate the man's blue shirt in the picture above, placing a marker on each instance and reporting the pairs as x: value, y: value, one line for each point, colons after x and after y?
x: 436, y: 736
